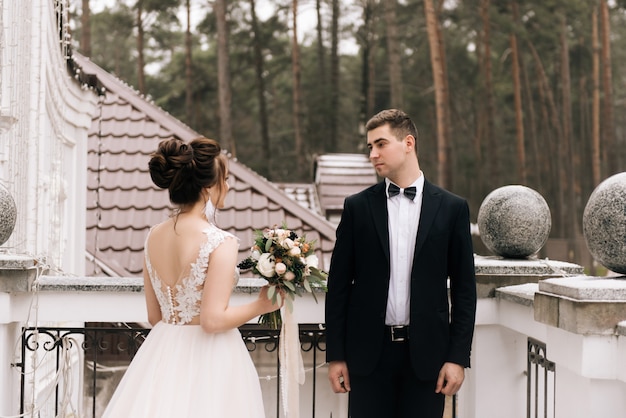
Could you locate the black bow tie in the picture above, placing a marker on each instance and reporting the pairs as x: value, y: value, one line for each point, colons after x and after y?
x: 409, y: 192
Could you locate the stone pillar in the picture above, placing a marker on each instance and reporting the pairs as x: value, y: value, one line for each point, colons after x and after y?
x: 514, y: 223
x: 593, y: 305
x: 586, y: 314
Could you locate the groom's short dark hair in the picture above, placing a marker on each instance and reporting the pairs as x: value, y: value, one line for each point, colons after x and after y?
x: 399, y: 122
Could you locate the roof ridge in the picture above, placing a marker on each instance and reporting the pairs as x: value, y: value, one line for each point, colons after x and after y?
x: 135, y: 98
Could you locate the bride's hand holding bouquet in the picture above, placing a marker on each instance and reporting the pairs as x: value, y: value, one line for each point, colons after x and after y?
x: 267, y: 304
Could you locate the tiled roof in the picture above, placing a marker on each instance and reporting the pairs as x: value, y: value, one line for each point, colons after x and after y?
x: 122, y: 202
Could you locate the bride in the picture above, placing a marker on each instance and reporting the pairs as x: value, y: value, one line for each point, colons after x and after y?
x: 194, y: 362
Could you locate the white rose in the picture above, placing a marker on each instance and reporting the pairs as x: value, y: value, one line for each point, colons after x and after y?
x: 265, y: 265
x: 255, y: 254
x: 295, y: 251
x: 290, y: 275
x: 312, y: 261
x: 280, y: 268
x: 288, y: 243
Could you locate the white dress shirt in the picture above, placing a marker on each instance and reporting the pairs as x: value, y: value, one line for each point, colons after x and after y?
x: 404, y: 216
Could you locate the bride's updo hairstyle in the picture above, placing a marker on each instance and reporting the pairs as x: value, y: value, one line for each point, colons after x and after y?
x: 187, y: 169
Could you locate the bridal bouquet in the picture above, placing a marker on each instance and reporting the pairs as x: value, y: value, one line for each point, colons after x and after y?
x: 290, y: 266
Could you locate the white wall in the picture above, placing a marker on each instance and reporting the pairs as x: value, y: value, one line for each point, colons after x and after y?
x: 43, y: 155
x: 9, y: 375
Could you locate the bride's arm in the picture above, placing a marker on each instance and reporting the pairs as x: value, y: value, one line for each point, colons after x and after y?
x: 216, y: 314
x: 152, y: 303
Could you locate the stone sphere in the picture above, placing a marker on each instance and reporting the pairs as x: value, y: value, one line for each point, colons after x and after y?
x: 8, y: 214
x: 604, y: 223
x: 514, y: 221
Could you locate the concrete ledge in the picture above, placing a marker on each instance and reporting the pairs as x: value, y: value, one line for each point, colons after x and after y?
x: 587, y: 288
x: 121, y: 299
x: 498, y: 266
x: 523, y: 294
x: 125, y: 284
x: 89, y: 284
x: 582, y: 305
x: 496, y: 272
x: 120, y: 284
x: 17, y: 273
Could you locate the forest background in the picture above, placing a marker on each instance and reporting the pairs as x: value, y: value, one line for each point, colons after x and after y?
x: 502, y: 92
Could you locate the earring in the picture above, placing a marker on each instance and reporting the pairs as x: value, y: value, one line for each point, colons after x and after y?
x: 209, y: 210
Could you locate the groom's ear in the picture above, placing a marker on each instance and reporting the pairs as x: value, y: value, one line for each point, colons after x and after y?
x: 409, y: 140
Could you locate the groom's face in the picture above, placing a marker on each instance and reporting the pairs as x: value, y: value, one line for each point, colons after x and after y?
x: 387, y: 152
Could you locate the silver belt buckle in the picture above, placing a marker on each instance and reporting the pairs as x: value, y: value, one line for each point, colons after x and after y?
x: 393, y: 333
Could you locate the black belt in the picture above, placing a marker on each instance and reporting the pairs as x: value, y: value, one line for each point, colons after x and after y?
x: 397, y: 333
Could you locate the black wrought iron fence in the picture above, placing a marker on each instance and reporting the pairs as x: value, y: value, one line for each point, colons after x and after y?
x: 112, y: 347
x: 540, y: 382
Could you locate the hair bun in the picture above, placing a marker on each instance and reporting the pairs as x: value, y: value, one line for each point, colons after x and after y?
x: 186, y: 169
x: 171, y: 161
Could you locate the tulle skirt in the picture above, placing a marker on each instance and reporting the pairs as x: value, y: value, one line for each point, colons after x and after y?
x: 180, y: 371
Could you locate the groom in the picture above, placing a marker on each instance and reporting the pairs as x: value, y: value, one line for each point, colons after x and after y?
x: 397, y: 338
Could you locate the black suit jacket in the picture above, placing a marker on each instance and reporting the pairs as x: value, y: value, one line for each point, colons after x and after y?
x: 358, y: 283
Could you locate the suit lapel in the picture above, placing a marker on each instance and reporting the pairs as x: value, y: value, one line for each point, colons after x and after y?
x: 378, y: 204
x: 431, y: 200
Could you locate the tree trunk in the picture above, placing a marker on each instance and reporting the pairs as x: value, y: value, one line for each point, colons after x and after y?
x: 297, y: 95
x: 440, y: 94
x: 393, y: 51
x: 595, y: 119
x: 537, y: 165
x: 478, y: 186
x: 608, y: 125
x: 141, y: 79
x: 331, y: 145
x: 368, y: 89
x: 493, y: 153
x: 446, y: 97
x: 85, y: 30
x: 371, y: 80
x: 223, y: 78
x: 259, y: 69
x: 570, y: 211
x: 321, y: 53
x: 188, y: 70
x: 551, y: 114
x: 517, y: 92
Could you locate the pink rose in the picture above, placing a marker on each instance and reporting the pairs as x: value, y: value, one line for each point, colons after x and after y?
x: 280, y: 268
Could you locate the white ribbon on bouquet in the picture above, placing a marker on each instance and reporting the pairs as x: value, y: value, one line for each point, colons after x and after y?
x: 291, y: 365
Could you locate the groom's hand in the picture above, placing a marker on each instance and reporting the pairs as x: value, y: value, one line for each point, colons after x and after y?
x: 450, y: 379
x: 339, y: 377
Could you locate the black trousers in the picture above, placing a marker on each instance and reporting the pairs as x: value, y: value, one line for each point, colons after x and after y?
x: 392, y: 390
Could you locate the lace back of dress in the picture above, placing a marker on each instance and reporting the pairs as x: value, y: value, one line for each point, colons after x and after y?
x: 180, y: 303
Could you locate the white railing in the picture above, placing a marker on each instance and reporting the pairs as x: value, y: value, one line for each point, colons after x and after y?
x: 60, y: 307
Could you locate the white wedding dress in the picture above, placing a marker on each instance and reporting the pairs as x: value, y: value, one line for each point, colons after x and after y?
x: 180, y: 371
